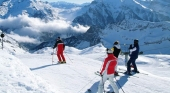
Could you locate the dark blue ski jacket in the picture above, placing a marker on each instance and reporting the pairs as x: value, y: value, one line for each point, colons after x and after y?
x: 134, y: 51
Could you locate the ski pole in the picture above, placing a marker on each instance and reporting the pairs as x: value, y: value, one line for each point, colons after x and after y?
x: 68, y: 57
x: 103, y: 84
x: 119, y: 85
x: 52, y: 56
x: 86, y: 85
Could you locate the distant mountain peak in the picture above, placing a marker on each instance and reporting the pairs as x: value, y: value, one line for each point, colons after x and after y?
x: 33, y: 8
x: 105, y: 12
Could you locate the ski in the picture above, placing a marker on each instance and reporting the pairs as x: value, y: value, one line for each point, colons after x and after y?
x: 128, y: 75
x: 57, y: 63
x: 89, y: 91
x: 137, y: 73
x: 97, y: 73
x: 110, y: 92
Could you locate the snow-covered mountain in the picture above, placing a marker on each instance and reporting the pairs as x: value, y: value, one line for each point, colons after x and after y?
x: 68, y: 10
x: 124, y: 20
x: 32, y: 22
x: 115, y: 11
x: 32, y: 8
x: 159, y: 6
x: 66, y: 5
x: 110, y: 20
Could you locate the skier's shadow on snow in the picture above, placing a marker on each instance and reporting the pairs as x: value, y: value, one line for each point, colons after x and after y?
x: 93, y: 88
x: 42, y: 67
x: 120, y: 83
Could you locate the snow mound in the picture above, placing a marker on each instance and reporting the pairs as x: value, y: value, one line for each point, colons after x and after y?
x: 15, y: 77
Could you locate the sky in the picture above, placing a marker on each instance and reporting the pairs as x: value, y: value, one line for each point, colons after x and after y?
x: 71, y: 1
x: 23, y: 72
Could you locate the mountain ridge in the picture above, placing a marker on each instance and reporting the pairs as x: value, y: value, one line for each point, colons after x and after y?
x: 32, y: 8
x: 116, y: 20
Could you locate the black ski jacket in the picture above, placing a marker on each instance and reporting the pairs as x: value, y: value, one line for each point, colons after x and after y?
x: 57, y: 42
x: 116, y: 50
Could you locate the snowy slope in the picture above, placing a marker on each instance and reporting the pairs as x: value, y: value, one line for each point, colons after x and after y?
x: 10, y: 45
x: 34, y: 73
x: 78, y: 74
x: 16, y: 77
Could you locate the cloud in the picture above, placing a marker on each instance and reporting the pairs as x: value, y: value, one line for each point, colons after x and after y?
x: 23, y: 25
x: 24, y: 39
x: 80, y: 28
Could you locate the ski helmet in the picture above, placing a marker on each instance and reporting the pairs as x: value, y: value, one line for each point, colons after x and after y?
x: 136, y: 41
x: 117, y: 42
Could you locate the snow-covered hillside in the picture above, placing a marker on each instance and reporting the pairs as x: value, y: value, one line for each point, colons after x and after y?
x: 15, y: 76
x: 34, y: 73
x: 153, y: 37
x: 10, y: 45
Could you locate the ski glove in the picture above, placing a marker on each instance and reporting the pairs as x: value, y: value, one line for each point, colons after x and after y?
x: 101, y: 74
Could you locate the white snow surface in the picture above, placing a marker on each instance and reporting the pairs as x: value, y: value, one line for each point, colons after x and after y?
x: 24, y: 72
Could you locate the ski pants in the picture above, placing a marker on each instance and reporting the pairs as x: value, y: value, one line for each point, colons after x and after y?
x: 112, y: 83
x: 60, y: 56
x: 131, y: 61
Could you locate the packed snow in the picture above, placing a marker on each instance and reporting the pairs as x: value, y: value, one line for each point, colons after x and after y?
x: 23, y: 72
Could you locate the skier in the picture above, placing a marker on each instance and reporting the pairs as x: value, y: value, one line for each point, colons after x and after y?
x: 107, y: 72
x: 116, y: 48
x: 134, y: 51
x: 60, y: 48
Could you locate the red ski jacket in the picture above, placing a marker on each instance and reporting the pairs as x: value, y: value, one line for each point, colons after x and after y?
x: 109, y: 65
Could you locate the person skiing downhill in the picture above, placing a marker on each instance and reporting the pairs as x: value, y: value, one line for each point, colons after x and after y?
x: 60, y: 48
x: 134, y: 51
x: 116, y: 52
x: 107, y: 72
